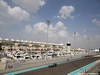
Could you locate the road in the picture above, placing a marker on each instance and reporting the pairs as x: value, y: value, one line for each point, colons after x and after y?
x: 62, y: 69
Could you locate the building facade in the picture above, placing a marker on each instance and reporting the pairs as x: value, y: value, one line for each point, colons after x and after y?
x: 6, y: 44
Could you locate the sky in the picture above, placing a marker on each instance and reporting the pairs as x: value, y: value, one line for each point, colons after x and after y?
x: 27, y: 20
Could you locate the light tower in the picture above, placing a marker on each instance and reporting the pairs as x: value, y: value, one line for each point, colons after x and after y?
x: 68, y: 46
x: 88, y: 43
x: 48, y: 23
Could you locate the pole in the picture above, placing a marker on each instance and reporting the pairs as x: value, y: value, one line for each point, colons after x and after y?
x: 74, y: 40
x: 48, y: 23
x: 88, y: 43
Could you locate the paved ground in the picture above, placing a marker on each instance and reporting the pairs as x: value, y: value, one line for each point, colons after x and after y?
x: 62, y: 69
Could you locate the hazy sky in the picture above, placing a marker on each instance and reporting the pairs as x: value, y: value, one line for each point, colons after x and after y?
x: 26, y: 20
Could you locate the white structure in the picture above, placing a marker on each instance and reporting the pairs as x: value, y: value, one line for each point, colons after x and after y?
x: 68, y: 46
x: 96, y: 50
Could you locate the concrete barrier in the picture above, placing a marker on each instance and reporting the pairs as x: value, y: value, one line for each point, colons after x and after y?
x: 3, y: 64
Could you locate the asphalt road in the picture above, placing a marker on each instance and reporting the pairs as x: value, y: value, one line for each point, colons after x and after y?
x: 62, y: 69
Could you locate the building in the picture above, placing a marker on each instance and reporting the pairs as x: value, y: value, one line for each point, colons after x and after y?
x: 6, y: 44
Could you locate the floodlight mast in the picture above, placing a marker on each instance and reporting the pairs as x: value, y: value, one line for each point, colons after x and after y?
x: 48, y: 23
x: 88, y: 43
x: 74, y: 40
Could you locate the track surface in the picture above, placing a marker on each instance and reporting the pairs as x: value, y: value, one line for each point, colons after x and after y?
x: 62, y: 69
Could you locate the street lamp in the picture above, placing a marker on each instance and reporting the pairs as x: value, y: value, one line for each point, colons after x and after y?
x: 88, y: 43
x: 74, y: 40
x: 48, y: 23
